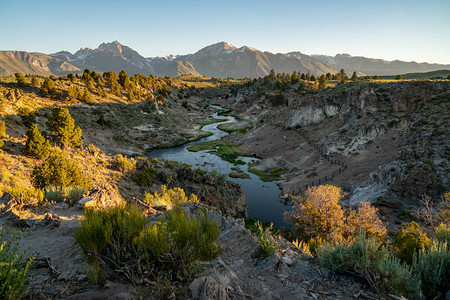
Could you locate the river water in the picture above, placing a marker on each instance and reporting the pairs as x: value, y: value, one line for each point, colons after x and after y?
x: 264, y: 202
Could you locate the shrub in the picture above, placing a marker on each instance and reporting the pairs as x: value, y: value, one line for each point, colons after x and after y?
x: 442, y: 233
x: 365, y: 218
x: 14, y: 269
x: 123, y: 164
x: 59, y: 170
x: 106, y: 238
x: 36, y: 146
x: 319, y: 212
x: 68, y: 194
x: 265, y: 239
x: 169, y: 197
x: 433, y: 267
x: 145, y: 176
x: 20, y: 79
x: 120, y: 241
x: 175, y: 244
x: 48, y: 88
x: 363, y: 251
x: 398, y: 277
x: 409, y: 240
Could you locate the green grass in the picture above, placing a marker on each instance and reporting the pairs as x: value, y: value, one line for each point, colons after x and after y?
x: 207, y: 122
x: 226, y: 151
x: 232, y: 128
x: 269, y: 174
x: 239, y: 175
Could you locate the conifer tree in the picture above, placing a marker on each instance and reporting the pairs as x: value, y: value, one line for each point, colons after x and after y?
x: 355, y: 77
x: 313, y: 78
x: 398, y: 77
x: 376, y: 77
x: 34, y: 81
x: 303, y: 76
x: 48, y: 88
x: 87, y: 97
x: 20, y: 79
x: 2, y: 129
x: 323, y: 82
x: 62, y: 128
x: 37, y: 145
x: 72, y: 94
x: 124, y: 80
x: 71, y: 77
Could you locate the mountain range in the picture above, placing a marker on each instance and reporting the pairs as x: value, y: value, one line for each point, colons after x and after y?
x: 217, y: 60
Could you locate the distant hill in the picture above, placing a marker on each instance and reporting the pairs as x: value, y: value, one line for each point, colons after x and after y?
x: 33, y: 63
x: 426, y: 75
x: 217, y: 60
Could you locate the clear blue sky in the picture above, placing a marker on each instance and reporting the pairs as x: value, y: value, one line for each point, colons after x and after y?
x: 395, y: 29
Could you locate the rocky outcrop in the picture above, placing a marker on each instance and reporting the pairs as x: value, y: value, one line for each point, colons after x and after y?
x: 243, y: 272
x: 106, y: 195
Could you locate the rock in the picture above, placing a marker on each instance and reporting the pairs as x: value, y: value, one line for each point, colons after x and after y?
x: 447, y: 296
x: 213, y: 290
x: 6, y: 197
x: 289, y: 257
x: 50, y: 220
x: 267, y: 264
x: 66, y: 275
x: 326, y: 273
x: 82, y: 278
x: 206, y: 287
x: 105, y: 195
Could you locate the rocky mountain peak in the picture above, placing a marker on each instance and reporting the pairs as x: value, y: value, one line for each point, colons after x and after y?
x: 213, y: 50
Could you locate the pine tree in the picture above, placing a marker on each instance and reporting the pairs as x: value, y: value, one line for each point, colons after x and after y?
x: 376, y: 77
x: 398, y: 77
x: 2, y: 129
x: 37, y: 146
x: 313, y: 78
x: 62, y: 128
x: 34, y: 81
x: 87, y: 97
x: 90, y: 83
x: 124, y: 80
x: 303, y: 76
x: 20, y: 79
x: 355, y: 77
x: 72, y: 94
x: 48, y: 88
x: 323, y: 82
x: 71, y: 77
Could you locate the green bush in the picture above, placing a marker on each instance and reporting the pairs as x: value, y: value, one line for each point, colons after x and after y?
x: 398, y: 277
x: 107, y: 237
x: 169, y: 197
x: 61, y: 171
x: 442, y: 233
x: 409, y: 240
x: 14, y: 269
x: 342, y: 256
x: 265, y: 239
x: 145, y: 176
x: 123, y: 164
x: 67, y: 194
x: 121, y: 238
x: 433, y: 267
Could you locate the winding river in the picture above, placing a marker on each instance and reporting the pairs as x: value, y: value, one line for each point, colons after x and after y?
x: 264, y: 202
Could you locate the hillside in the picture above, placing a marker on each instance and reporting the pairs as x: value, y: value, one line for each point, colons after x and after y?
x: 33, y: 63
x: 220, y: 60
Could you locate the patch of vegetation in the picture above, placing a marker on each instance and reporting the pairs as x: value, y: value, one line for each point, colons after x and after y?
x: 264, y: 233
x: 121, y: 238
x: 60, y: 171
x: 270, y: 174
x: 227, y: 151
x: 145, y: 176
x: 71, y: 195
x: 211, y: 121
x: 169, y: 197
x: 232, y: 128
x: 14, y: 268
x: 239, y: 175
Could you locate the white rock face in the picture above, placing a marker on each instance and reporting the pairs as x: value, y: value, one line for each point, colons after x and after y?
x: 368, y: 193
x: 309, y: 115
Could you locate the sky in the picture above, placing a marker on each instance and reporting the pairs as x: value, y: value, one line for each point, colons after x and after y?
x: 407, y: 30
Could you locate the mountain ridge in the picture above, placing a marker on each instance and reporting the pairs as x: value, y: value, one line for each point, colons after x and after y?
x: 217, y: 60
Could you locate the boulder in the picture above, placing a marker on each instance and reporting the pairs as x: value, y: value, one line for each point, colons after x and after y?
x: 106, y: 195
